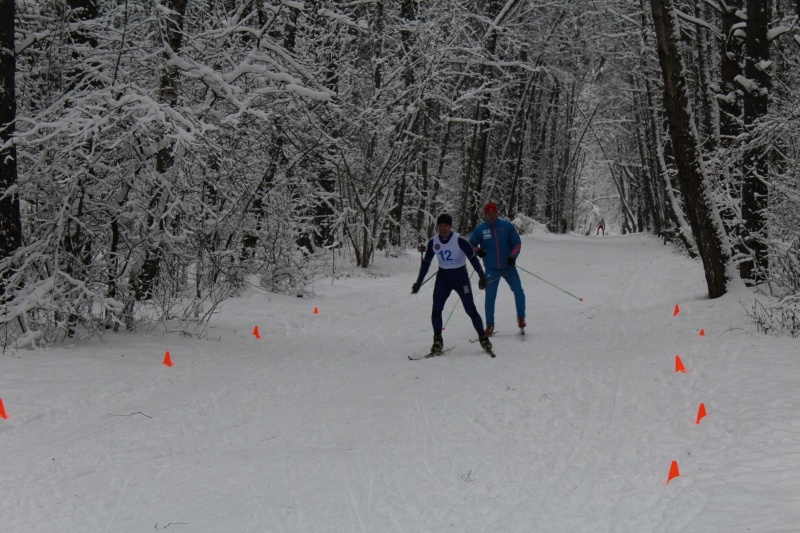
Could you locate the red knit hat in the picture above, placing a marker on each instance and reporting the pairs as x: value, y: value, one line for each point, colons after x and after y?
x: 490, y: 207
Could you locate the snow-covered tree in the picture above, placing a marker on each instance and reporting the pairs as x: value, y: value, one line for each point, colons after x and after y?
x: 706, y: 225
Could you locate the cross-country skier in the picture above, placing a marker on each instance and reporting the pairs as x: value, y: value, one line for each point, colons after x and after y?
x: 601, y: 226
x: 452, y: 251
x: 496, y: 240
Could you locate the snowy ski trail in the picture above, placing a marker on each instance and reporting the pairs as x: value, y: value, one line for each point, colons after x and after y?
x: 324, y: 424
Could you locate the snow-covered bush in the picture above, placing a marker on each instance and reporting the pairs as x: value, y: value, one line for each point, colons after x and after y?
x: 781, y: 318
x: 526, y: 225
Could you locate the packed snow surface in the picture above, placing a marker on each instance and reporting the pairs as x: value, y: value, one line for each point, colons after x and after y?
x: 324, y: 425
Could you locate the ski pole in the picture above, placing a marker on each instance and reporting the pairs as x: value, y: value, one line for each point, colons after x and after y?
x: 450, y: 315
x: 552, y: 285
x: 429, y: 278
x: 494, y: 280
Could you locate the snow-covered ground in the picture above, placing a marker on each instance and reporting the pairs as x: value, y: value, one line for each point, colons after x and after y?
x: 324, y: 425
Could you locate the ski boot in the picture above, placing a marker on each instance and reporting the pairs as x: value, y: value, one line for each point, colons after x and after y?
x: 489, y: 331
x: 521, y: 324
x: 486, y: 344
x: 438, y: 344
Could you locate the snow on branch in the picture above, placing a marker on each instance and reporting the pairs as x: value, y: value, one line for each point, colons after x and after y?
x: 698, y: 22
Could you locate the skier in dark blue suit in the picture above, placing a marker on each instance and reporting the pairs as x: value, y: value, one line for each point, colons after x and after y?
x: 452, y: 251
x: 497, y: 241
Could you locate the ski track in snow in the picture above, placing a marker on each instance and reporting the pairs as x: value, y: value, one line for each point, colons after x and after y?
x: 324, y: 424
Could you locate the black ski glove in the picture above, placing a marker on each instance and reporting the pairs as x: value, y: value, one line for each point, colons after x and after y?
x: 482, y: 283
x: 415, y: 288
x: 511, y: 261
x: 480, y: 252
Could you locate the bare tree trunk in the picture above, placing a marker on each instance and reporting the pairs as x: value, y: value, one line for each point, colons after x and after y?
x: 519, y: 92
x: 564, y: 157
x: 730, y: 113
x: 276, y: 156
x: 536, y: 205
x: 168, y: 94
x: 476, y: 164
x: 434, y: 204
x: 546, y: 162
x: 77, y: 244
x: 708, y: 131
x: 648, y: 166
x: 518, y: 146
x: 10, y: 222
x: 756, y: 104
x: 629, y: 220
x: 730, y: 116
x: 472, y: 188
x: 422, y: 182
x: 668, y: 200
x: 395, y: 220
x: 703, y: 217
x: 663, y: 197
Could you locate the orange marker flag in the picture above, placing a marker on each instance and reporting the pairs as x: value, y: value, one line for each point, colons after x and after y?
x: 256, y: 333
x: 702, y: 333
x: 701, y: 412
x: 316, y: 311
x: 167, y: 359
x: 3, y: 410
x: 679, y: 364
x: 673, y: 471
x: 676, y: 311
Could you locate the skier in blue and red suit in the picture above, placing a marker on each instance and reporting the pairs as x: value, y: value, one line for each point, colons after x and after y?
x: 496, y: 240
x: 452, y: 252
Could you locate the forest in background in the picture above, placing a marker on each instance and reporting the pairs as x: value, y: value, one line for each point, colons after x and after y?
x: 157, y: 156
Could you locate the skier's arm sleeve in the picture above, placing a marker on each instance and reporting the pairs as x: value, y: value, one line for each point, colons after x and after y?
x: 466, y: 247
x: 476, y: 264
x: 516, y: 242
x: 426, y: 262
x: 474, y: 238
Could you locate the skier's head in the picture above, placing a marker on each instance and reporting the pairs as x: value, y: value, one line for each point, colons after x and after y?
x: 444, y: 218
x: 490, y: 211
x: 444, y: 224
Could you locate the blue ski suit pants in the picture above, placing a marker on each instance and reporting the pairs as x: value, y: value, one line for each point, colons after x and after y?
x: 447, y: 281
x: 493, y: 281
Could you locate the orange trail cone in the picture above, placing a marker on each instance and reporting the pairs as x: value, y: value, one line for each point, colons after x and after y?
x: 167, y: 359
x: 701, y: 412
x: 3, y: 410
x: 316, y: 311
x: 676, y: 311
x: 673, y: 471
x: 702, y: 333
x: 256, y: 333
x: 679, y: 364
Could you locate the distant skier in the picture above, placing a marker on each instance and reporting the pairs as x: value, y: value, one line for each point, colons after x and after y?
x: 601, y: 226
x: 452, y: 252
x: 496, y: 240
